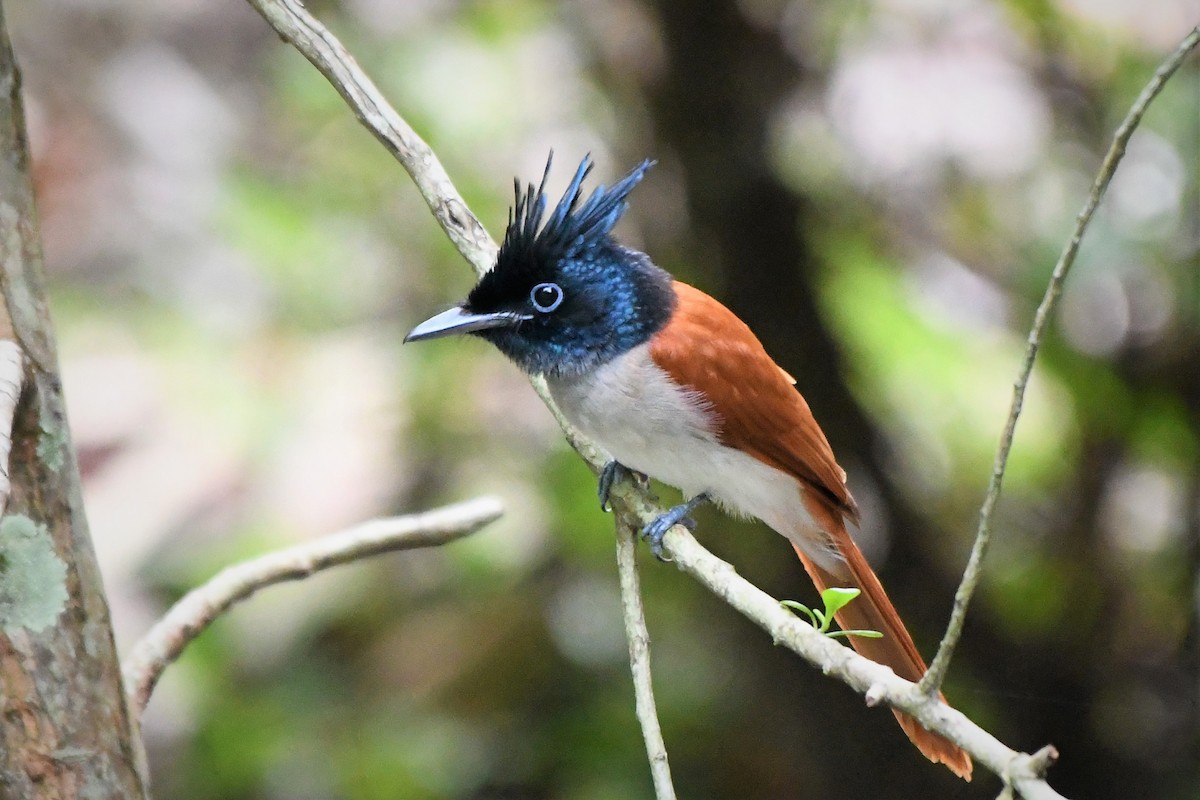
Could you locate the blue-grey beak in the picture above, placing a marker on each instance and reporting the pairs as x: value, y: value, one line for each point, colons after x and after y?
x: 457, y: 320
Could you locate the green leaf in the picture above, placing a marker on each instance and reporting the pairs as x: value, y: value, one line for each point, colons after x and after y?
x: 835, y: 599
x: 863, y: 634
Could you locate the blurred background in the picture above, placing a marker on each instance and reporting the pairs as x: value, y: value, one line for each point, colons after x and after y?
x: 879, y: 188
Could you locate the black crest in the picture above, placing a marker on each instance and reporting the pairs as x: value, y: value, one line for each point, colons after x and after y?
x: 574, y: 226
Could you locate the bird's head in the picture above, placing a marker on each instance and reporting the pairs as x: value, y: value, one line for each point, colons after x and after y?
x: 564, y: 297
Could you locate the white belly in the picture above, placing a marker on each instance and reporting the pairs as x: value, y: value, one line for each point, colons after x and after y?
x: 632, y: 409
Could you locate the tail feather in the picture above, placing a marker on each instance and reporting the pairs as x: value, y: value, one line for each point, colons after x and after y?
x: 872, y: 610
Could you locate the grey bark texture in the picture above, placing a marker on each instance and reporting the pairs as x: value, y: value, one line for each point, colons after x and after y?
x: 65, y: 727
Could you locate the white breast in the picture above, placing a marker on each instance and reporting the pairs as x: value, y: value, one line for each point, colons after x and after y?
x: 633, y: 409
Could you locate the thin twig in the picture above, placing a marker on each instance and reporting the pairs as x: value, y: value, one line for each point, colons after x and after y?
x: 639, y: 661
x: 636, y: 634
x: 297, y: 27
x: 931, y: 683
x: 188, y: 618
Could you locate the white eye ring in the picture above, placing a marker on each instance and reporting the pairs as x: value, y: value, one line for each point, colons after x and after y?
x: 546, y: 297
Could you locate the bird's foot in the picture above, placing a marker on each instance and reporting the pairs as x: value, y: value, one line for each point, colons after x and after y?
x: 679, y: 515
x: 612, y: 472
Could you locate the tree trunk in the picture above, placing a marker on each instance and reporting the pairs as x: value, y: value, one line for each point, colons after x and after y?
x: 66, y: 730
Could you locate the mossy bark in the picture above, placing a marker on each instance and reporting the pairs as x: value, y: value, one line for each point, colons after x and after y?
x: 65, y: 727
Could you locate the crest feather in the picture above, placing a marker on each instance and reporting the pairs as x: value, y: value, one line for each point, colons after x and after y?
x: 573, y: 227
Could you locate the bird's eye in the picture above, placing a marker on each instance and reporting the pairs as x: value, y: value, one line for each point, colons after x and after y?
x: 546, y: 297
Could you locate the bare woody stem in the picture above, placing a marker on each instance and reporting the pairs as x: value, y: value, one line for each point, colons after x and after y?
x: 189, y: 617
x: 932, y: 682
x: 297, y: 27
x: 639, y: 659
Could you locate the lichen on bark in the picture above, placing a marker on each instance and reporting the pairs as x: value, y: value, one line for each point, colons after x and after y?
x: 33, y: 579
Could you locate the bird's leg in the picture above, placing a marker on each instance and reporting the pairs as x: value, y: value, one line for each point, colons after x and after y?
x: 679, y: 515
x: 612, y: 472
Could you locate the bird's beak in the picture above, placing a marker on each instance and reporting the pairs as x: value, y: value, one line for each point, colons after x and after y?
x: 458, y: 320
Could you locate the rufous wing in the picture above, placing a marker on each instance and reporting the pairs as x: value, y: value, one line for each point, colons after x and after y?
x: 707, y: 349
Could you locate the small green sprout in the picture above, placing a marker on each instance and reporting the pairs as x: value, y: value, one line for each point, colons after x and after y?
x: 834, y: 599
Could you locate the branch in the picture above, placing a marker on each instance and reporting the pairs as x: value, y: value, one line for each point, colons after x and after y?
x: 931, y: 683
x: 877, y: 683
x: 297, y: 27
x: 189, y: 617
x: 639, y: 660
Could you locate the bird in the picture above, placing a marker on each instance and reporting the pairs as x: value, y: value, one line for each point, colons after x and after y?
x: 674, y: 386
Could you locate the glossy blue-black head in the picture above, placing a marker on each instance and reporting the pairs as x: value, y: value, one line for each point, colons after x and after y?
x: 564, y: 296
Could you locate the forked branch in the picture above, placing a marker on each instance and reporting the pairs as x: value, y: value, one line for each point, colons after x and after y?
x: 197, y: 609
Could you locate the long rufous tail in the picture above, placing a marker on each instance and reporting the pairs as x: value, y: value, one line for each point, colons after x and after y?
x: 872, y: 610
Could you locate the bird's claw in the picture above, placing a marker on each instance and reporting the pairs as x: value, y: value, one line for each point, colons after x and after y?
x: 679, y: 515
x: 612, y: 472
